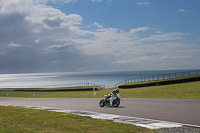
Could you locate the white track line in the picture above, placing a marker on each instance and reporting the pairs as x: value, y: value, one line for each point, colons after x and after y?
x: 148, y: 123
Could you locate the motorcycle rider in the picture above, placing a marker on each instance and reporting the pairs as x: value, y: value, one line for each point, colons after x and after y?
x: 112, y: 94
x: 112, y: 99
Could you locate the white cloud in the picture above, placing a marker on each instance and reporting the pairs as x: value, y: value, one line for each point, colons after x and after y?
x: 96, y: 0
x: 164, y: 37
x: 68, y: 1
x: 37, y: 41
x: 15, y: 6
x: 62, y: 40
x: 143, y: 3
x: 40, y: 15
x: 56, y: 1
x: 108, y: 41
x: 44, y: 17
x: 181, y: 10
x: 97, y: 25
x: 162, y: 55
x: 184, y: 11
x: 138, y: 29
x: 32, y: 21
x: 14, y: 45
x: 127, y: 49
x: 100, y: 0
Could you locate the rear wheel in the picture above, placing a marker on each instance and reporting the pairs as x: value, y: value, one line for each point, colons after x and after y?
x: 116, y: 103
x: 102, y: 103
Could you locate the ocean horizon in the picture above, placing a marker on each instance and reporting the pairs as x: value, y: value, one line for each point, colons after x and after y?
x: 63, y: 79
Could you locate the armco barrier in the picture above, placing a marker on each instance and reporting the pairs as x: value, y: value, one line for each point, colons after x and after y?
x: 160, y: 83
x: 158, y: 77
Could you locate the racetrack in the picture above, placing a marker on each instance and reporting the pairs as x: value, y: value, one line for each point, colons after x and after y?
x: 174, y: 110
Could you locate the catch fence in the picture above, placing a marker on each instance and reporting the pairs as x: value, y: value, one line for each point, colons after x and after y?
x: 159, y: 77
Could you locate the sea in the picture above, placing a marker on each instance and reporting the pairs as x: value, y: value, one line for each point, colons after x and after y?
x: 65, y: 79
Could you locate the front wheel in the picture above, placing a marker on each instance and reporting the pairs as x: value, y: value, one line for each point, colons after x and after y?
x: 102, y: 103
x: 116, y: 103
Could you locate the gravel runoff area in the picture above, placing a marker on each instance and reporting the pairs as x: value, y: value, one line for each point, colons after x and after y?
x: 183, y: 129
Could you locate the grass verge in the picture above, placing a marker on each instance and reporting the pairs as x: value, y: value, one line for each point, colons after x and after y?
x: 22, y: 120
x: 78, y: 88
x: 190, y: 90
x: 184, y: 79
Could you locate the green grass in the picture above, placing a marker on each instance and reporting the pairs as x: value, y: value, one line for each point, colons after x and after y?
x: 162, y: 80
x: 59, y: 88
x: 190, y: 90
x: 22, y: 120
x: 56, y: 94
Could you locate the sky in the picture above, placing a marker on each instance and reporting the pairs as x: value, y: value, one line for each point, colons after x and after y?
x: 98, y: 35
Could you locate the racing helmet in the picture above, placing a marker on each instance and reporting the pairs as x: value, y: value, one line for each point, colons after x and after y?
x: 117, y: 91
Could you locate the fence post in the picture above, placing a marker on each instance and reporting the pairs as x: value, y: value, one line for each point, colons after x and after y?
x: 94, y: 91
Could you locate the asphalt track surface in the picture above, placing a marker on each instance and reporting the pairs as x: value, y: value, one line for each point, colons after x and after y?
x: 173, y: 110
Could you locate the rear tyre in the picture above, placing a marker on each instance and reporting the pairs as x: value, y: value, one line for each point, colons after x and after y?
x: 116, y: 103
x: 102, y: 103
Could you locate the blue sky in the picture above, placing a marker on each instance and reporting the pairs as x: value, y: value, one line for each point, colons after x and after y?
x: 135, y: 13
x: 98, y: 35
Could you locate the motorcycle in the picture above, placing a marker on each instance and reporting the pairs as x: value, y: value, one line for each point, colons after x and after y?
x: 112, y: 101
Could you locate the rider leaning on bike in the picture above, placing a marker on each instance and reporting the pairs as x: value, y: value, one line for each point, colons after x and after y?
x: 113, y: 99
x: 114, y: 93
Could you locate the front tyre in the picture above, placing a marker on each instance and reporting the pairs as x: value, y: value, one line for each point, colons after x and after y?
x: 116, y: 103
x: 102, y: 103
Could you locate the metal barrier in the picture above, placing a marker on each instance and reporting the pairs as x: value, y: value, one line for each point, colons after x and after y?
x: 159, y: 77
x: 7, y: 90
x: 78, y: 85
x: 139, y: 79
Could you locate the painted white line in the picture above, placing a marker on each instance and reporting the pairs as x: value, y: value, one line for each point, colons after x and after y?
x: 148, y: 123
